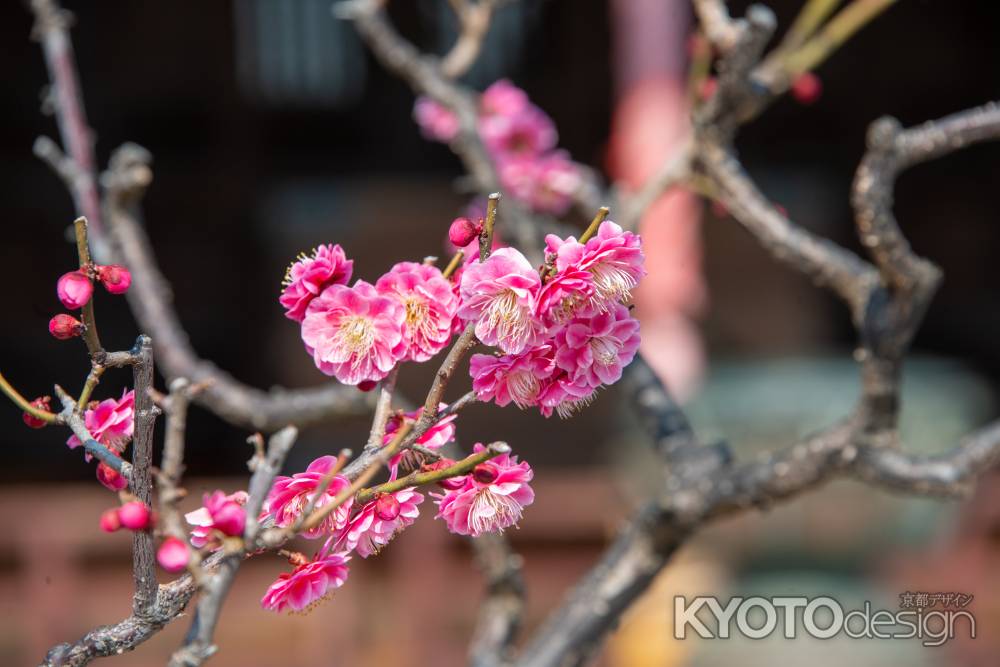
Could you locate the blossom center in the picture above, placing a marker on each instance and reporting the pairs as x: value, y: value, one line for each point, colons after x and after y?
x: 524, y: 387
x: 612, y: 282
x: 506, y: 315
x: 605, y: 350
x: 357, y: 335
x: 418, y: 316
x: 492, y: 509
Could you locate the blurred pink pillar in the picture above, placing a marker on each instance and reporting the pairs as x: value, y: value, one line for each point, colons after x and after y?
x: 650, y: 118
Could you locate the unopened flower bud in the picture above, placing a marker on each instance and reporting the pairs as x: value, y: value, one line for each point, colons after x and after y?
x: 807, y: 88
x: 463, y: 231
x: 110, y: 478
x: 449, y: 484
x: 110, y: 521
x: 64, y: 326
x: 135, y: 515
x: 367, y: 385
x: 485, y: 473
x: 41, y: 403
x: 173, y: 555
x: 387, y: 507
x: 74, y: 289
x: 116, y: 279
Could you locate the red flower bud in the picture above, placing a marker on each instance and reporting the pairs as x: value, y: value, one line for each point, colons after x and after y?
x: 449, y: 484
x: 42, y: 403
x: 64, y: 326
x: 367, y: 385
x: 116, y: 279
x: 463, y: 231
x: 485, y: 473
x: 110, y: 478
x: 74, y: 289
x: 807, y: 88
x: 110, y: 521
x: 135, y: 515
x: 173, y: 554
x: 387, y: 507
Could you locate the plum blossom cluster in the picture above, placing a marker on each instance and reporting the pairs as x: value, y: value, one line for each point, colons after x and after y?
x: 359, y: 333
x: 564, y: 333
x: 521, y: 139
x: 490, y: 498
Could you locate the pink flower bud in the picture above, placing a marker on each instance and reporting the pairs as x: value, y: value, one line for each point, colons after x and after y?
x: 74, y: 289
x: 173, y: 555
x: 64, y: 326
x: 451, y: 483
x: 116, y: 279
x: 463, y: 231
x: 367, y: 385
x: 110, y: 521
x: 135, y: 515
x: 42, y: 403
x: 387, y: 507
x: 110, y: 478
x: 485, y: 473
x: 807, y: 88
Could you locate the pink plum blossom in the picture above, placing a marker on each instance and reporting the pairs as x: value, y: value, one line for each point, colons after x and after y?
x: 526, y: 134
x: 354, y: 333
x: 173, y: 554
x: 613, y: 258
x: 499, y: 295
x: 518, y: 378
x: 307, y: 584
x: 289, y: 496
x: 491, y: 499
x: 546, y: 183
x: 565, y: 396
x: 437, y: 436
x: 429, y: 303
x: 308, y: 276
x: 74, y: 289
x: 219, y: 513
x: 597, y: 348
x: 378, y: 521
x: 502, y: 99
x: 110, y: 422
x: 567, y: 294
x: 436, y: 122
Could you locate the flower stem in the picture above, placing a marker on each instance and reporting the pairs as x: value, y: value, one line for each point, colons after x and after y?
x: 602, y: 215
x: 23, y: 403
x: 90, y: 336
x: 453, y: 264
x: 840, y: 28
x: 418, y: 478
x: 486, y: 236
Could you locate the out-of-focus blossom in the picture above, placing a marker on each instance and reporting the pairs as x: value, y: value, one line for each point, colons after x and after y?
x: 546, y: 183
x: 109, y: 477
x: 219, y: 513
x: 289, y: 496
x: 135, y: 515
x: 526, y: 134
x: 173, y: 554
x: 354, y: 333
x: 436, y: 122
x: 308, y: 276
x: 307, y: 584
x: 110, y: 521
x: 499, y: 295
x: 491, y: 499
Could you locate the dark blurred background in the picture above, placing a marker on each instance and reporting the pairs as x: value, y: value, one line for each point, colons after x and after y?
x: 273, y: 130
